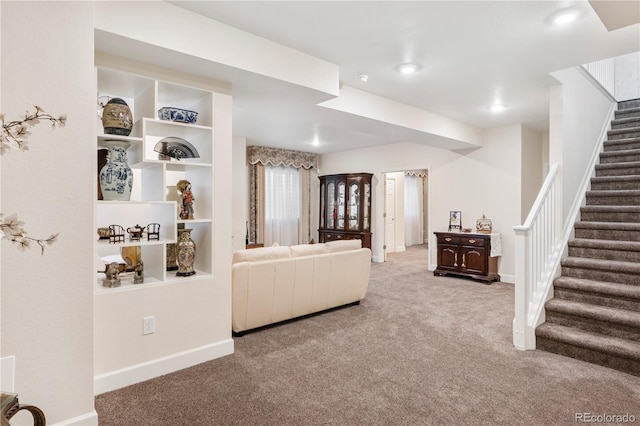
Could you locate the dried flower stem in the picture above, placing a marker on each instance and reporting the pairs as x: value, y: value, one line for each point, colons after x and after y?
x: 14, y: 136
x: 14, y: 133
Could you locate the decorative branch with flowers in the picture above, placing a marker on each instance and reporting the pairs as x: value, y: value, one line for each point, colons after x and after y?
x: 14, y: 136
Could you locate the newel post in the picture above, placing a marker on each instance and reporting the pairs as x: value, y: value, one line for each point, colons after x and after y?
x: 523, y: 337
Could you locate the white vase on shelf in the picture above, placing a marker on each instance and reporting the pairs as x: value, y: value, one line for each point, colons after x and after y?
x: 116, y: 178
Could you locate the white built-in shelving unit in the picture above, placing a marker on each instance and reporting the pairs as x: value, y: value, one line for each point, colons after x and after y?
x: 154, y: 196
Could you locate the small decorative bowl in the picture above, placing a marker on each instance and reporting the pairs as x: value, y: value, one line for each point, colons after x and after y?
x: 177, y: 114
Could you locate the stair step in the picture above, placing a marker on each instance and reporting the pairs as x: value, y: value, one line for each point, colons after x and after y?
x: 622, y: 231
x: 613, y: 271
x: 602, y: 293
x: 622, y: 197
x: 600, y: 183
x: 611, y: 352
x: 618, y: 169
x: 625, y: 122
x: 597, y: 319
x: 627, y: 112
x: 610, y: 214
x: 624, y: 251
x: 620, y: 156
x: 629, y: 104
x: 630, y: 132
x: 622, y: 144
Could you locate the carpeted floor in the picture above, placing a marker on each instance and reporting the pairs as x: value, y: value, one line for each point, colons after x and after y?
x: 419, y: 350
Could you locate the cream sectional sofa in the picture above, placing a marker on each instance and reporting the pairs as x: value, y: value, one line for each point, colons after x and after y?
x: 273, y: 284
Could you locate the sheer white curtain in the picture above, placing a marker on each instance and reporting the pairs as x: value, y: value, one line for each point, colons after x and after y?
x: 413, y: 215
x: 282, y: 205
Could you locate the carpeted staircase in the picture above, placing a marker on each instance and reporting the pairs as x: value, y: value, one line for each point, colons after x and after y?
x: 595, y: 313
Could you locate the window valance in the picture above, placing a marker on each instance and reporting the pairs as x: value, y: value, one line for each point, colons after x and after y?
x: 281, y: 157
x: 419, y: 173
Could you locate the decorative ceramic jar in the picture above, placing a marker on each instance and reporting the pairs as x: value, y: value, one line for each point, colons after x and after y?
x: 186, y: 253
x: 484, y: 225
x: 116, y: 179
x: 117, y: 118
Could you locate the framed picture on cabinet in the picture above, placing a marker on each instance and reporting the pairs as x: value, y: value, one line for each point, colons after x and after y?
x: 455, y: 220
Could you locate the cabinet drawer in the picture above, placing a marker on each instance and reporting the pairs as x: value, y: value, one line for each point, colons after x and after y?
x: 471, y: 241
x: 446, y: 239
x: 332, y: 237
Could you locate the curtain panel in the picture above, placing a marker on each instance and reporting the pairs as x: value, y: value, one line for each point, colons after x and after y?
x: 281, y: 157
x: 258, y: 157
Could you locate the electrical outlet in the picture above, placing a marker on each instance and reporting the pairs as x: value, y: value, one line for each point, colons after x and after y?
x: 148, y: 325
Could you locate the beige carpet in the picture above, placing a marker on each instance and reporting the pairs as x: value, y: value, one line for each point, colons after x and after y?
x: 419, y: 350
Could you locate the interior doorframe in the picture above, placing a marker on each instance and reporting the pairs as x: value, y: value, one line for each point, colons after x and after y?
x: 426, y: 211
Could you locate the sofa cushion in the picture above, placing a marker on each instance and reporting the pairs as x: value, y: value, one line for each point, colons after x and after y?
x: 261, y: 253
x: 308, y: 250
x: 343, y: 245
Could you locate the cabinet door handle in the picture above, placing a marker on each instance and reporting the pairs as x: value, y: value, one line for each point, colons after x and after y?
x: 463, y: 265
x: 447, y: 239
x: 455, y: 260
x: 472, y: 241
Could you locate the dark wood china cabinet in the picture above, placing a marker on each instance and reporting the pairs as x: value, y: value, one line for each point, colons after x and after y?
x: 345, y: 208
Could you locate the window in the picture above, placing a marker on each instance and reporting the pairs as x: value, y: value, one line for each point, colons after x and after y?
x: 282, y: 205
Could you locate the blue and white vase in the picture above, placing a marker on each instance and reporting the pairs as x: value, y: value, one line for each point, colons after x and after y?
x: 116, y: 178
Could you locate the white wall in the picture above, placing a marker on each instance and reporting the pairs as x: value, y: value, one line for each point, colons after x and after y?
x: 486, y: 180
x: 579, y: 117
x: 627, y: 77
x: 532, y: 172
x: 47, y: 301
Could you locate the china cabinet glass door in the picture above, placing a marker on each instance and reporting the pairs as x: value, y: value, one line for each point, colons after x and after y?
x: 341, y: 204
x: 331, y: 205
x: 367, y: 206
x: 354, y: 205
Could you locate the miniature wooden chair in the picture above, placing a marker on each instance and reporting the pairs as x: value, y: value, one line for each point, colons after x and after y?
x: 153, y: 231
x: 116, y: 234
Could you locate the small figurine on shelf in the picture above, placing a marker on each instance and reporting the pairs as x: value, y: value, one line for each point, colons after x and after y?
x: 184, y: 188
x: 138, y: 273
x: 112, y: 275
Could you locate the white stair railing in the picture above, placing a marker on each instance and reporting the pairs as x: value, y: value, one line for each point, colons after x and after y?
x: 538, y: 245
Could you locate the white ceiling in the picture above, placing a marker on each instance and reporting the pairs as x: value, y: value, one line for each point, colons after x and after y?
x: 473, y: 53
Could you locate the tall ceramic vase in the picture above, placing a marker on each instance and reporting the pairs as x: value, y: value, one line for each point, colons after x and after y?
x: 186, y: 253
x: 116, y: 179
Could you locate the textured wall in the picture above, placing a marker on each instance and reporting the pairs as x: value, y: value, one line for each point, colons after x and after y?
x: 47, y: 301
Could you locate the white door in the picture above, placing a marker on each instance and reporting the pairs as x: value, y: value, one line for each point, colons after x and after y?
x: 390, y: 216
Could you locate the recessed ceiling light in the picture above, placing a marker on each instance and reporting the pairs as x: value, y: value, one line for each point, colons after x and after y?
x: 497, y: 108
x: 408, y: 68
x: 563, y: 16
x: 363, y: 78
x: 315, y: 141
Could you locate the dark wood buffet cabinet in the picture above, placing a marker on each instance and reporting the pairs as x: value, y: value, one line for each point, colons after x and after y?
x: 467, y: 255
x: 345, y: 208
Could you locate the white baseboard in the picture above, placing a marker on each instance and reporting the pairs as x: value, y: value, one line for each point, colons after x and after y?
x: 89, y: 419
x: 511, y: 279
x: 401, y: 248
x: 377, y: 259
x: 148, y: 370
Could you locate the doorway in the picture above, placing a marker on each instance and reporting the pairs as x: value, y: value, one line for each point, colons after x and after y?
x: 406, y: 210
x: 389, y: 216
